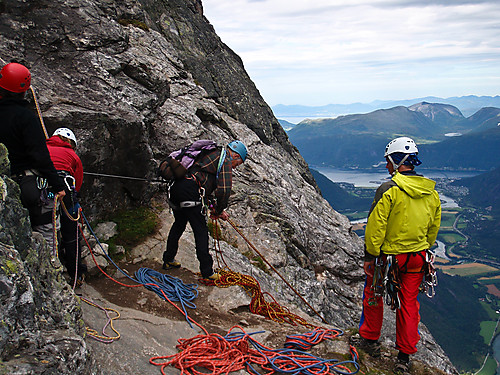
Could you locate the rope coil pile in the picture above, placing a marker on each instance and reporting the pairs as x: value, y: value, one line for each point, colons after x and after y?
x: 238, y: 351
x: 169, y: 288
x: 258, y: 305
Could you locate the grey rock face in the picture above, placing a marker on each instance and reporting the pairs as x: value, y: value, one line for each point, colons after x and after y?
x: 41, y: 329
x: 137, y: 79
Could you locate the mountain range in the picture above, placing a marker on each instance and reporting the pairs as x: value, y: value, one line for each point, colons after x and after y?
x: 468, y: 105
x: 446, y: 138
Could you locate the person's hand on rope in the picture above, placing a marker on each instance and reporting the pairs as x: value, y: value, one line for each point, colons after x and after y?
x: 223, y: 216
x: 369, y: 267
x: 61, y: 194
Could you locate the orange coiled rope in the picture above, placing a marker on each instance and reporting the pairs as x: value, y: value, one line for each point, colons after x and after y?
x: 258, y: 305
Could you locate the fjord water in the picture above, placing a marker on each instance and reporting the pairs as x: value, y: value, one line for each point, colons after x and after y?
x: 373, y: 178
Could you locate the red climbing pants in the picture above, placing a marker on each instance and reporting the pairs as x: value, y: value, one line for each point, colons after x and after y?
x: 407, y: 317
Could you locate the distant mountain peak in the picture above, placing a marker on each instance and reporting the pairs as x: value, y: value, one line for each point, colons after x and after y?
x: 435, y: 110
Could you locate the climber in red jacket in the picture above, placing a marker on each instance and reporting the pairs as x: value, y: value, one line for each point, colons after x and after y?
x: 61, y: 147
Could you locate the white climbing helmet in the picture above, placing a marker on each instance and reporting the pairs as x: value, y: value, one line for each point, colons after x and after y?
x: 65, y: 132
x: 402, y: 144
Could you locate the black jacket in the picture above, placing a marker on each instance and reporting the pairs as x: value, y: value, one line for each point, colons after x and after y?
x: 21, y: 133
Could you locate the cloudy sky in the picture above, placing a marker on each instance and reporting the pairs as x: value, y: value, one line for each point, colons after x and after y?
x: 317, y: 52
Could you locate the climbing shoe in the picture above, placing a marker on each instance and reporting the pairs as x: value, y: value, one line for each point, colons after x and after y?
x: 371, y: 347
x: 79, y: 281
x: 215, y: 276
x: 172, y: 264
x: 402, y: 367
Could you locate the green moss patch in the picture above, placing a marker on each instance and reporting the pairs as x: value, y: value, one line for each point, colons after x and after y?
x: 134, y: 226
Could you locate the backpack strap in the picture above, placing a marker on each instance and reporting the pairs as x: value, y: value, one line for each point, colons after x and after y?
x: 222, y: 157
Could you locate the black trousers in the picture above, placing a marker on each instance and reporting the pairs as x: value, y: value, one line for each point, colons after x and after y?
x: 31, y: 199
x: 187, y: 190
x: 70, y: 252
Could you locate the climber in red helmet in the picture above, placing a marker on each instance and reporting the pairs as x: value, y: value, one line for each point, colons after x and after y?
x: 30, y: 163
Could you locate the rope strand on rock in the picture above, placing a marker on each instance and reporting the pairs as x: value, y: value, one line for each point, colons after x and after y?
x: 157, y: 286
x: 274, y: 269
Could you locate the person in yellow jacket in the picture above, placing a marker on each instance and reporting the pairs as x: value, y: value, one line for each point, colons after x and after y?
x: 403, y: 222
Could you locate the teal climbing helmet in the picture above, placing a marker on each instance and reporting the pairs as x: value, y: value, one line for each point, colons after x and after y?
x: 239, y: 148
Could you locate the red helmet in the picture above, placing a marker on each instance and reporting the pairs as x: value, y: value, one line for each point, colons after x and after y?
x: 15, y: 77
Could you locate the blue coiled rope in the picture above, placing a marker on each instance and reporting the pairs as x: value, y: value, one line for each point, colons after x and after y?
x: 173, y: 288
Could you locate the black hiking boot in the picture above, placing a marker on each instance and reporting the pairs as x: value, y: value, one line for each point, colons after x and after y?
x: 402, y: 367
x: 370, y: 347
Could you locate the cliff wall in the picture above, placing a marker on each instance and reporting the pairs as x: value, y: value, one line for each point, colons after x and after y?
x: 136, y: 79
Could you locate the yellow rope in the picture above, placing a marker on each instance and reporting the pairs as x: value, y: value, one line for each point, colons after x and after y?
x: 39, y: 112
x: 258, y: 305
x: 68, y: 214
x: 93, y: 333
x: 55, y: 252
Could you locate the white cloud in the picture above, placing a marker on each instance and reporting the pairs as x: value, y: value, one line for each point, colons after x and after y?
x: 327, y: 51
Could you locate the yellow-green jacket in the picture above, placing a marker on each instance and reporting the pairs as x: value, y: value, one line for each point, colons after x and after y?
x: 404, y: 217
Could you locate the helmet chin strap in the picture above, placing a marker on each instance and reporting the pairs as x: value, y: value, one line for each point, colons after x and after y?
x: 396, y: 166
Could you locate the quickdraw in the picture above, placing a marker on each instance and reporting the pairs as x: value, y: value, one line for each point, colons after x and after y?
x: 378, y: 286
x: 430, y: 281
x: 392, y: 281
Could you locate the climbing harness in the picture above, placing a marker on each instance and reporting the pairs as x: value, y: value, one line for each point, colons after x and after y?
x: 387, y: 278
x: 203, y: 201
